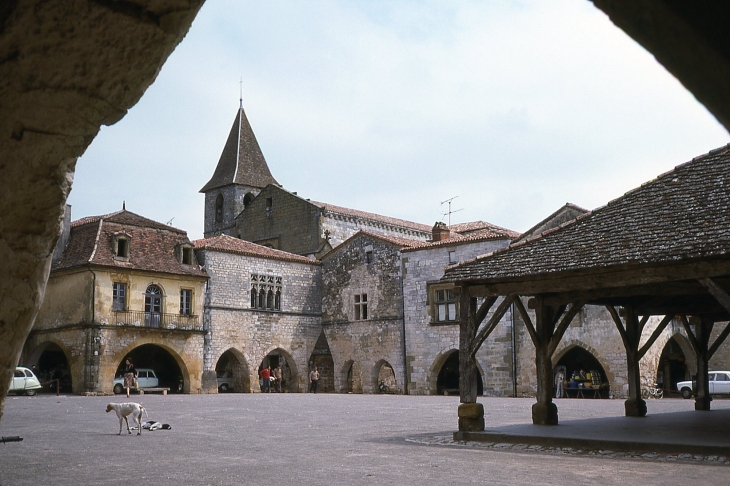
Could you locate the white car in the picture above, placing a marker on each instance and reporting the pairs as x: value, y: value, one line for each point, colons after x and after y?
x: 24, y: 382
x: 719, y: 384
x: 146, y: 378
x: 225, y: 382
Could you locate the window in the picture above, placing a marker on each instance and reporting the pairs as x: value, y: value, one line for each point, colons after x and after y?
x: 119, y: 296
x: 153, y: 306
x: 186, y: 255
x: 120, y: 246
x: 452, y: 256
x: 265, y: 292
x: 445, y: 305
x: 186, y: 302
x: 269, y: 204
x: 361, y: 307
x: 219, y: 209
x: 369, y: 256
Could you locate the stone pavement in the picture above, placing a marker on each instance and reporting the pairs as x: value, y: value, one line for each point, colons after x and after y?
x: 336, y: 439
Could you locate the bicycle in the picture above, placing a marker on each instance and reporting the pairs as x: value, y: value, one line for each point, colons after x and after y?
x: 383, y: 388
x: 652, y: 392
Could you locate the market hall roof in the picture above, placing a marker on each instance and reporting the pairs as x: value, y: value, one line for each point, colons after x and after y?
x: 153, y: 246
x: 242, y: 161
x: 678, y: 219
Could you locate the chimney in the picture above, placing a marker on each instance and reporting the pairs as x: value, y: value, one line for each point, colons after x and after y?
x: 440, y: 232
x: 65, y: 233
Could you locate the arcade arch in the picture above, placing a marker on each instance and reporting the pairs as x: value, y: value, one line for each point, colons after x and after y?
x: 383, y: 373
x: 673, y: 365
x: 445, y: 374
x: 169, y: 368
x: 290, y: 378
x: 51, y: 363
x: 232, y: 372
x: 575, y: 358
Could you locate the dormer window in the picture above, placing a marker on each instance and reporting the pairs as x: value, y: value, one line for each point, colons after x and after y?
x: 186, y: 254
x: 269, y: 205
x: 120, y: 246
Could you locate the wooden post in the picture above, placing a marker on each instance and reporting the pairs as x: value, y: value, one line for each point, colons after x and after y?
x: 471, y: 413
x: 703, y: 328
x: 635, y: 406
x: 544, y: 412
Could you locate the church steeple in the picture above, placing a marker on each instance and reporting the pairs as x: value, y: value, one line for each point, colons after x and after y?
x: 242, y: 161
x: 240, y: 175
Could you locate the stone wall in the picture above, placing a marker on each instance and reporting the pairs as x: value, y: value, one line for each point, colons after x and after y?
x: 428, y: 344
x: 361, y: 347
x: 252, y: 334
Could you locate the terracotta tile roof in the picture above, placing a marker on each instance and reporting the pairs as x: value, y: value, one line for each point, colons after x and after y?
x: 484, y: 234
x: 682, y: 214
x: 395, y: 241
x: 154, y: 246
x: 423, y: 228
x: 242, y: 161
x: 229, y: 244
x: 483, y: 227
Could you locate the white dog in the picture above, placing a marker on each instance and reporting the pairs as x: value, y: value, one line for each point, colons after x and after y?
x: 124, y: 410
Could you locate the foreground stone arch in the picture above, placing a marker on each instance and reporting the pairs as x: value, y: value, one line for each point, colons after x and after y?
x: 438, y: 364
x: 234, y: 362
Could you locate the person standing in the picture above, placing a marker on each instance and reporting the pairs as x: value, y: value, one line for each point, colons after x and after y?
x: 130, y: 375
x: 278, y: 375
x: 313, y: 380
x: 265, y: 375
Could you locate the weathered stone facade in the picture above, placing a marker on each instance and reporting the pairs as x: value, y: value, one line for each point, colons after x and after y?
x: 362, y: 312
x: 429, y: 343
x: 252, y: 334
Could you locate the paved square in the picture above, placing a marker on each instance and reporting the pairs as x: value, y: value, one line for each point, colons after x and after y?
x: 309, y: 439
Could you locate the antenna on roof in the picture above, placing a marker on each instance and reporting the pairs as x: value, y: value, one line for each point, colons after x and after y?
x: 124, y: 205
x: 169, y: 223
x: 450, y: 211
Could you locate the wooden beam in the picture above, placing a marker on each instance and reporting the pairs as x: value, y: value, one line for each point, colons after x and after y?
x: 485, y: 331
x: 526, y: 319
x: 718, y: 342
x: 484, y: 309
x: 655, y: 335
x: 619, y: 324
x: 690, y: 334
x: 563, y: 326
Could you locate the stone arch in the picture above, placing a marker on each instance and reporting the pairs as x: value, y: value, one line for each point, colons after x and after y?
x: 351, y: 377
x: 292, y: 379
x: 72, y: 379
x: 651, y: 366
x: 384, y: 371
x: 107, y: 373
x: 232, y: 364
x: 437, y: 366
x: 247, y: 199
x: 575, y: 344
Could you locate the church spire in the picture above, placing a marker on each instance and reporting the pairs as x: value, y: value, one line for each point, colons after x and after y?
x: 242, y: 161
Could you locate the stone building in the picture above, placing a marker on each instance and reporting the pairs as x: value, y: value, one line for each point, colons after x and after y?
x: 263, y: 308
x: 121, y: 286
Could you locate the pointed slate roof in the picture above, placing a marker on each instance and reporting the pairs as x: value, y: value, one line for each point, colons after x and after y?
x: 242, y: 161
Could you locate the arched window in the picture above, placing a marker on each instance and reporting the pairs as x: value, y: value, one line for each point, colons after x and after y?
x: 270, y: 299
x: 153, y: 306
x: 219, y: 209
x: 262, y: 299
x: 277, y: 300
x: 253, y: 297
x: 247, y: 200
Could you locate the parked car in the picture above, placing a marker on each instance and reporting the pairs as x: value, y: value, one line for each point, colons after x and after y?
x: 719, y: 384
x: 24, y: 382
x: 225, y: 382
x: 146, y: 378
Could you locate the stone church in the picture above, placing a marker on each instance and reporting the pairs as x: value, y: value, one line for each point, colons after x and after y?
x: 281, y: 280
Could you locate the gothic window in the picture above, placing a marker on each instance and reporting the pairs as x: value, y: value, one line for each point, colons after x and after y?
x: 186, y: 302
x: 361, y: 307
x: 247, y: 199
x: 266, y: 292
x: 219, y: 209
x: 119, y: 296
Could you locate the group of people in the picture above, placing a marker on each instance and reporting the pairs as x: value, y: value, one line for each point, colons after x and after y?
x: 268, y: 376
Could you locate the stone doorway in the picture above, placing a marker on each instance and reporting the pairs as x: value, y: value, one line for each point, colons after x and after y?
x: 385, y: 381
x: 321, y: 357
x: 351, y: 378
x: 447, y: 380
x: 279, y: 357
x: 232, y: 373
x: 50, y: 363
x: 672, y: 366
x: 162, y: 362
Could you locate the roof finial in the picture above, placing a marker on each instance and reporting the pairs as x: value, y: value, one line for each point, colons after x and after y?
x: 240, y: 99
x: 124, y: 205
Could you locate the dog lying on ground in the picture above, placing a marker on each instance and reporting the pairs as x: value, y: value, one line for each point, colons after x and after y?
x: 124, y: 410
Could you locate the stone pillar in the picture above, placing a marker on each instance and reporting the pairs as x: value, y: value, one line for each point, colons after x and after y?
x: 703, y: 329
x: 471, y: 414
x: 544, y: 412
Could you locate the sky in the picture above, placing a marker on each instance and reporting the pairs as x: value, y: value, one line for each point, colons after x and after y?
x: 393, y: 107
